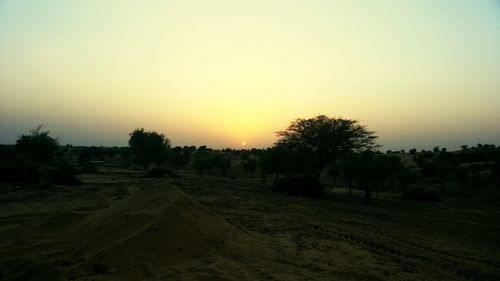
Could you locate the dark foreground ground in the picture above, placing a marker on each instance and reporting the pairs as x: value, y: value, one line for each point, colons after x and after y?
x: 271, y: 236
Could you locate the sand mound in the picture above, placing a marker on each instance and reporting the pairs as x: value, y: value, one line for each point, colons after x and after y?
x: 157, y: 232
x: 158, y: 226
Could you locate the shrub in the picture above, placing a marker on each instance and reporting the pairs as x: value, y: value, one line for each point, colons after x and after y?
x: 34, y: 174
x: 160, y: 173
x: 179, y: 159
x: 421, y: 194
x: 19, y: 173
x: 89, y: 168
x: 38, y: 146
x: 149, y: 147
x: 300, y: 186
x: 61, y: 176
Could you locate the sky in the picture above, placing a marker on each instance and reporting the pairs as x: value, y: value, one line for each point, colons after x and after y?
x: 220, y: 73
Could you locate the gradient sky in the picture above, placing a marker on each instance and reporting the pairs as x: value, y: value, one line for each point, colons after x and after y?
x: 420, y: 73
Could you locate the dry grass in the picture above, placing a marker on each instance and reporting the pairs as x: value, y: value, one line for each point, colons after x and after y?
x: 121, y: 226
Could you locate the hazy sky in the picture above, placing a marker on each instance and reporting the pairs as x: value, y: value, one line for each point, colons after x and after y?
x: 420, y: 73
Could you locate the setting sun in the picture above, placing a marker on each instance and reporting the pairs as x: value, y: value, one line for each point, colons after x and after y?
x: 215, y: 73
x: 236, y: 139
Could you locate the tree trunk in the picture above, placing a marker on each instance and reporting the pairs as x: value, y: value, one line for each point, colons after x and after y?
x: 264, y: 178
x: 349, y: 184
x: 318, y: 172
x: 368, y: 194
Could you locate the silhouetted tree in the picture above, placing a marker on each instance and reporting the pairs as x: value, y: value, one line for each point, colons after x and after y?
x: 443, y: 172
x: 349, y: 167
x: 250, y: 165
x: 179, y: 158
x: 149, y: 147
x: 366, y: 175
x: 475, y: 175
x: 443, y: 160
x: 85, y: 163
x: 202, y: 160
x: 213, y: 161
x: 374, y: 170
x: 188, y: 150
x: 279, y: 161
x: 436, y: 149
x: 37, y: 146
x: 334, y: 172
x: 405, y: 177
x: 270, y: 162
x: 384, y: 168
x: 84, y: 157
x: 223, y: 163
x: 429, y: 169
x: 7, y: 153
x: 496, y: 165
x: 322, y: 139
x: 462, y: 177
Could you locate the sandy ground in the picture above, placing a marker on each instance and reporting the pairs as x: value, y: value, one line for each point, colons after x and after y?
x: 124, y: 227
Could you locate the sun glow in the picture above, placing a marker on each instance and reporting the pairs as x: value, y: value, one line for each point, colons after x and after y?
x: 224, y: 73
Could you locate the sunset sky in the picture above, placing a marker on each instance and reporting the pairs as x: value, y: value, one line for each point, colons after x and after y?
x: 219, y: 73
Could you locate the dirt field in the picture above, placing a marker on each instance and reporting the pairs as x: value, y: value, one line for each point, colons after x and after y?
x: 121, y: 226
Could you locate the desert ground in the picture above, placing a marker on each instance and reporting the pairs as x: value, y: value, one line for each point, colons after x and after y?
x: 119, y: 225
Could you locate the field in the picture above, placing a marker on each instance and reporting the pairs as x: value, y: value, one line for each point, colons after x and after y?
x: 119, y: 225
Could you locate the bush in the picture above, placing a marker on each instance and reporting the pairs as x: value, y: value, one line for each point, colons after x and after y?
x: 160, y: 173
x: 38, y: 146
x: 89, y: 168
x: 148, y: 147
x: 34, y: 174
x: 19, y: 173
x: 155, y: 173
x: 59, y: 176
x: 299, y: 186
x: 420, y: 194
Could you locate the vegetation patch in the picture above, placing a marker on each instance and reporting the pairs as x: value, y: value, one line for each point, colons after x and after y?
x: 160, y: 173
x: 19, y: 173
x: 60, y: 176
x: 421, y: 194
x: 300, y: 186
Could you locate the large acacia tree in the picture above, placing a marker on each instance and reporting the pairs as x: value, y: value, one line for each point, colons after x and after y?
x: 325, y: 140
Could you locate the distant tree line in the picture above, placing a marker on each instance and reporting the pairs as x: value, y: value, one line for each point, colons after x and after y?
x: 308, y: 158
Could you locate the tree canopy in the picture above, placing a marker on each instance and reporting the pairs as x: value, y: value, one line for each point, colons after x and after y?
x: 323, y: 139
x: 149, y: 147
x: 38, y: 146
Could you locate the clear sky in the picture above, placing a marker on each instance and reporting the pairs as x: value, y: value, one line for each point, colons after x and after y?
x: 420, y: 73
